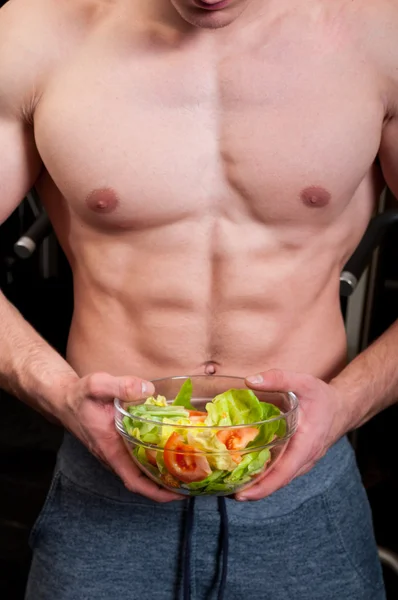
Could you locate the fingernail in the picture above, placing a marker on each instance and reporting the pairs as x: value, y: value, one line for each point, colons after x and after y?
x: 242, y: 499
x: 144, y: 387
x: 255, y: 379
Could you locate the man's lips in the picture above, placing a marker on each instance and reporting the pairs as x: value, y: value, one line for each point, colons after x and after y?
x: 212, y: 5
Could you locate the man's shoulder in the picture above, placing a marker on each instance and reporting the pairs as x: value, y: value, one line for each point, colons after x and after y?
x: 35, y: 37
x: 378, y: 25
x: 54, y: 11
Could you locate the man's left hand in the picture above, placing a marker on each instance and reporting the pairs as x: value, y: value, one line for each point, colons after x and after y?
x: 323, y: 419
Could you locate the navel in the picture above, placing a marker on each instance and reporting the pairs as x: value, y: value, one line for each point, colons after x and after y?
x: 315, y: 197
x: 210, y: 367
x: 103, y: 200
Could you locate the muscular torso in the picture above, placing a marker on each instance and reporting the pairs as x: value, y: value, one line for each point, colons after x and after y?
x: 208, y: 189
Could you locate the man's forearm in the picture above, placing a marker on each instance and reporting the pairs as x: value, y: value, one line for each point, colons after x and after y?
x: 370, y: 381
x: 29, y: 368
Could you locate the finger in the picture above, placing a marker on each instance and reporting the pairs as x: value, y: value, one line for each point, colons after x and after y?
x: 105, y: 387
x: 281, y: 381
x: 293, y: 460
x: 304, y: 470
x: 150, y: 489
x: 135, y: 480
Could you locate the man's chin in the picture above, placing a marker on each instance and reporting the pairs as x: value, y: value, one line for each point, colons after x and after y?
x: 213, y: 21
x: 207, y: 19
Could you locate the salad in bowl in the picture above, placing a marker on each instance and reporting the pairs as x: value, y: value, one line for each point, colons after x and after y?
x: 207, y: 435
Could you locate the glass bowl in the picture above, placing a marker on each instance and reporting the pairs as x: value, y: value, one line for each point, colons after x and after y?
x: 199, y: 459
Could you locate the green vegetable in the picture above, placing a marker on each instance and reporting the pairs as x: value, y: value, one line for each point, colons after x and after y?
x: 210, y: 480
x: 147, y: 411
x: 222, y: 487
x: 150, y: 434
x: 184, y: 396
x: 158, y: 401
x: 218, y: 456
x: 155, y: 409
x: 252, y: 464
x: 268, y: 431
x: 234, y: 407
x: 169, y: 427
x: 160, y: 463
x: 139, y: 452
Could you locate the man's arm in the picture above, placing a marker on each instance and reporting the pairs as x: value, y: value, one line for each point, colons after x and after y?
x: 29, y: 367
x: 370, y: 381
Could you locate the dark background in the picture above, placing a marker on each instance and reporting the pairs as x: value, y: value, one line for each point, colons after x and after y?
x: 28, y: 443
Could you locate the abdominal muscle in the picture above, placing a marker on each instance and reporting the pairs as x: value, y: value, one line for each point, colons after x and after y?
x: 210, y: 296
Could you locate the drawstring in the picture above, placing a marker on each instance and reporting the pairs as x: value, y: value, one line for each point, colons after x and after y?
x: 224, y: 545
x: 187, y: 547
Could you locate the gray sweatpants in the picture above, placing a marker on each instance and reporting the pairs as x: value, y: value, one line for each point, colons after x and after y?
x: 312, y: 540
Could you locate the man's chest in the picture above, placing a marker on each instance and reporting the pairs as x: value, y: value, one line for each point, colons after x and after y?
x: 180, y: 132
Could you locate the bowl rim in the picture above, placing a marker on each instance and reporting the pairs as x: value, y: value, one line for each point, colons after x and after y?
x: 292, y: 396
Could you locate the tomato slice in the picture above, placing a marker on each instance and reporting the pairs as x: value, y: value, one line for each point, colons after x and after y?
x: 197, y: 416
x: 183, y: 462
x: 237, y: 439
x: 151, y: 456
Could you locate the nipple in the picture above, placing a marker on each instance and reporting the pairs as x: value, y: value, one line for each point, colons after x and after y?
x: 102, y: 200
x: 315, y: 197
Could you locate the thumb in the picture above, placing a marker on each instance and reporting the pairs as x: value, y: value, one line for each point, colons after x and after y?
x: 281, y: 381
x: 104, y: 387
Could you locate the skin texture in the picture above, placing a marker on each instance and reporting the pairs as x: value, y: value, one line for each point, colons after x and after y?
x: 208, y: 174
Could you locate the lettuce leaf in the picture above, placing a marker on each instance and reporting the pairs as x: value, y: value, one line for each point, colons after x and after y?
x: 139, y: 452
x: 142, y: 431
x: 224, y: 481
x: 210, y: 480
x: 149, y: 411
x: 218, y: 456
x: 216, y: 482
x: 168, y: 427
x: 184, y: 396
x: 234, y: 407
x: 222, y: 487
x: 158, y: 401
x: 152, y: 433
x: 251, y: 464
x: 268, y: 431
x: 160, y: 463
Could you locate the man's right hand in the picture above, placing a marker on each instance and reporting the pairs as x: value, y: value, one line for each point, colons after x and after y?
x: 88, y: 413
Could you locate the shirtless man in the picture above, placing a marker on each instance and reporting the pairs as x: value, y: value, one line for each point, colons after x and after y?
x: 208, y: 169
